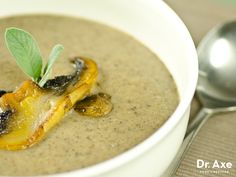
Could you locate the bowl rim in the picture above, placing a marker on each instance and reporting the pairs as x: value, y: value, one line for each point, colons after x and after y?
x: 166, y: 128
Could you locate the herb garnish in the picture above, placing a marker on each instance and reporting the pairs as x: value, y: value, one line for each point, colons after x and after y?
x: 26, y: 53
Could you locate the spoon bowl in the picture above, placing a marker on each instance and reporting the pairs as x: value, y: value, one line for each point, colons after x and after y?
x: 217, y: 64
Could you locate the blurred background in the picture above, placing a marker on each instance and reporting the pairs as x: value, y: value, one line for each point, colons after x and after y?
x: 201, y: 15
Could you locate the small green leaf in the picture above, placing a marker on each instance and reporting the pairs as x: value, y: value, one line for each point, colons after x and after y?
x: 25, y: 51
x: 56, y: 51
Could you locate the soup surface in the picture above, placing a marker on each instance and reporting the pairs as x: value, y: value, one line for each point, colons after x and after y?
x: 142, y: 91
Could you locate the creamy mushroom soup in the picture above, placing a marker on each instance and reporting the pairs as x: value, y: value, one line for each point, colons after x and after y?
x: 143, y: 94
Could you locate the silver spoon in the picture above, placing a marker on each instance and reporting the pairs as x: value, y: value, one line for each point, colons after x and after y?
x: 217, y: 82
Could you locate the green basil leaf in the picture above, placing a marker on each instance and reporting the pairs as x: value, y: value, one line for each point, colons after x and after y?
x: 56, y: 51
x: 25, y: 51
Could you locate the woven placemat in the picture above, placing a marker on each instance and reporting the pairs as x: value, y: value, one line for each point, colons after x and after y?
x: 215, y: 144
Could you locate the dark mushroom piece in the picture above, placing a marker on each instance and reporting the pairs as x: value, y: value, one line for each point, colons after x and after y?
x: 4, y: 118
x: 2, y: 92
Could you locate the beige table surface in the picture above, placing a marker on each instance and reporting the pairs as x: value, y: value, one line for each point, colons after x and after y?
x: 217, y: 139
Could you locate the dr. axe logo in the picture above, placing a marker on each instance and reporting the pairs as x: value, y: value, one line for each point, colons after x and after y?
x: 215, y: 166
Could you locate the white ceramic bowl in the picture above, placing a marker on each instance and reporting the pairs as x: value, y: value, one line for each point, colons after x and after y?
x: 154, y: 24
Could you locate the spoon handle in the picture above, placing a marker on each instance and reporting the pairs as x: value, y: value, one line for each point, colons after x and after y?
x: 203, y: 114
x: 192, y: 131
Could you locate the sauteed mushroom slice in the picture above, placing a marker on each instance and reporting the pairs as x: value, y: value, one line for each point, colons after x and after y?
x: 35, y: 110
x: 95, y: 105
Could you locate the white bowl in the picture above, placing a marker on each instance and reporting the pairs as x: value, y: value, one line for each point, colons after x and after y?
x: 154, y: 24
